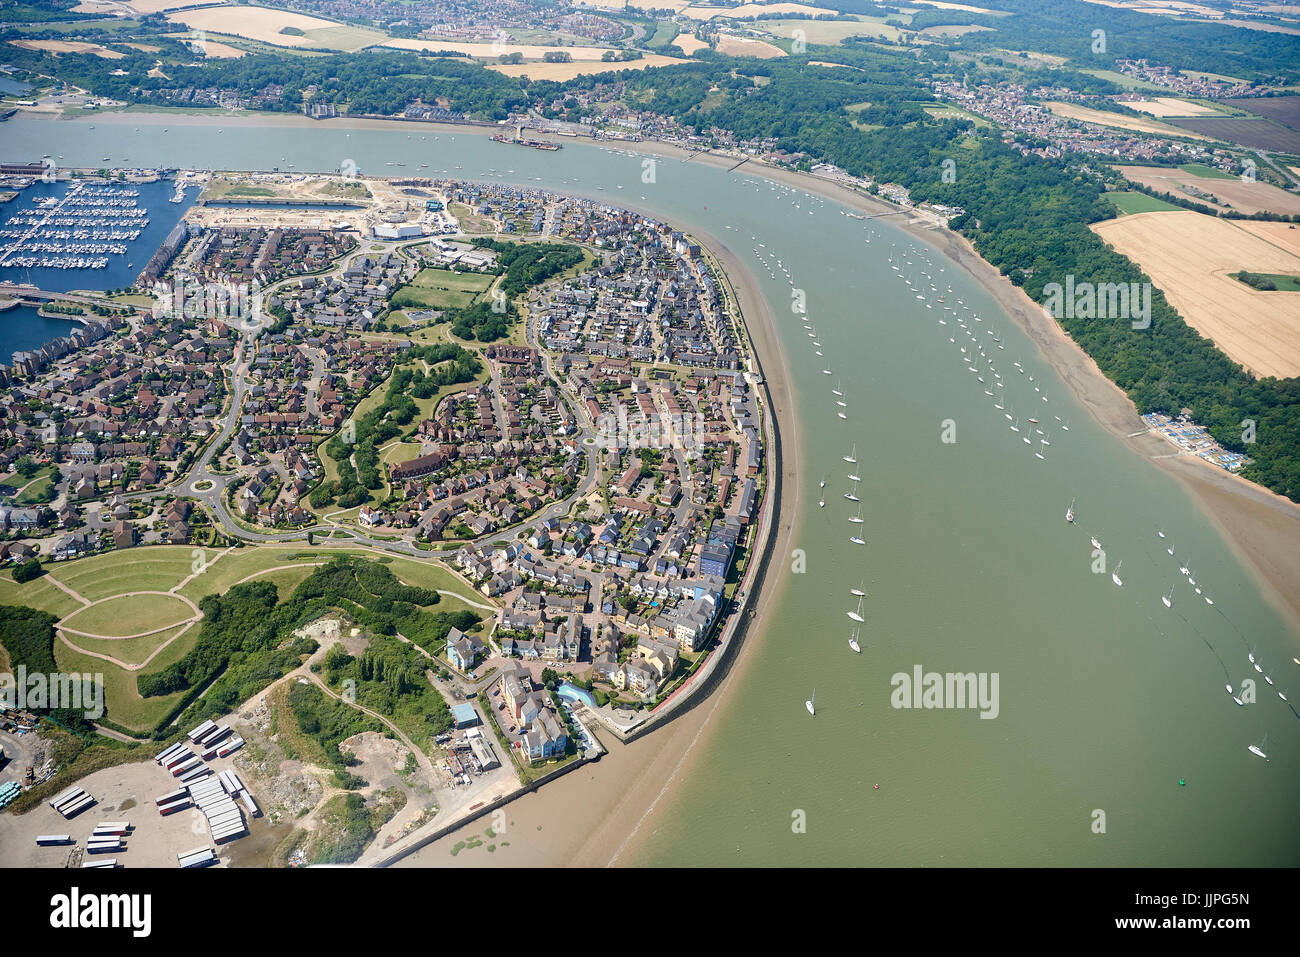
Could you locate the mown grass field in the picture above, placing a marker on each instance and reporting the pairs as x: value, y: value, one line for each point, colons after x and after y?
x: 161, y: 568
x: 39, y: 593
x: 122, y: 702
x: 152, y: 568
x: 129, y: 615
x: 444, y: 289
x: 135, y: 651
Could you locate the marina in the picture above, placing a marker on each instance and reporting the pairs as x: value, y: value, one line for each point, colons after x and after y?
x: 978, y: 521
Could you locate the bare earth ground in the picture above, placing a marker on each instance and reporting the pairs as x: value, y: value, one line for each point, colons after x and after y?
x: 1191, y: 257
x: 124, y: 793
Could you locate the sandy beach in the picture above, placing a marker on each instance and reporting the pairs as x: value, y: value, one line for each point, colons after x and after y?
x: 603, y: 813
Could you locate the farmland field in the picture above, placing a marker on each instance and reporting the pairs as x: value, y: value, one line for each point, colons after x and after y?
x: 688, y: 43
x: 829, y: 32
x: 69, y: 46
x: 1228, y: 191
x: 1162, y: 106
x: 529, y: 51
x: 1257, y: 134
x: 266, y: 25
x: 1190, y: 257
x: 744, y: 46
x: 1131, y: 201
x: 1072, y: 111
x: 1282, y: 109
x: 560, y: 72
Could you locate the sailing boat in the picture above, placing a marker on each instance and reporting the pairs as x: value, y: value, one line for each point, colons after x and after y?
x: 860, y: 591
x: 857, y: 519
x: 1256, y: 749
x: 852, y: 496
x: 857, y: 615
x: 857, y: 540
x: 836, y: 390
x: 821, y: 502
x: 1069, y: 513
x: 1114, y: 576
x: 854, y: 477
x: 852, y: 457
x: 1160, y: 533
x: 822, y: 484
x: 853, y: 643
x: 811, y: 704
x: 1168, y: 599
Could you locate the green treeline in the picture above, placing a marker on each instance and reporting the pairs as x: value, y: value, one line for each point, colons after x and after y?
x: 375, y: 81
x: 329, y: 721
x: 531, y: 264
x: 1066, y: 28
x: 358, y: 461
x: 245, y: 641
x: 28, y: 636
x: 1026, y: 215
x: 389, y: 677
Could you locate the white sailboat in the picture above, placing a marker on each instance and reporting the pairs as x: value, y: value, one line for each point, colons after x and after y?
x: 1168, y: 599
x: 859, y: 592
x: 854, y: 477
x: 811, y: 704
x: 1069, y: 513
x: 822, y: 484
x: 852, y: 457
x: 853, y: 496
x: 853, y: 642
x: 1114, y: 576
x: 857, y: 539
x: 857, y: 615
x: 857, y: 519
x: 1258, y: 750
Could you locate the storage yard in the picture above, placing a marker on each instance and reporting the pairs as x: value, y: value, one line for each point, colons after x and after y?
x: 129, y: 816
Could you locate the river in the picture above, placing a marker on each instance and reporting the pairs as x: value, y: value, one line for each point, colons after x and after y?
x: 1114, y: 742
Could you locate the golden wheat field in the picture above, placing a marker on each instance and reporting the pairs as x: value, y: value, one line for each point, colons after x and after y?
x: 69, y: 46
x: 567, y: 71
x: 530, y: 51
x: 1190, y: 257
x: 743, y: 46
x: 1072, y: 111
x: 1171, y: 106
x: 1246, y: 197
x: 688, y: 43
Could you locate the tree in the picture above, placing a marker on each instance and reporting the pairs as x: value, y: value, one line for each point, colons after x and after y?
x: 28, y: 570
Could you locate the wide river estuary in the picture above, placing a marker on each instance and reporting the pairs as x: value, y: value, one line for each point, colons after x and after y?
x: 1114, y: 740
